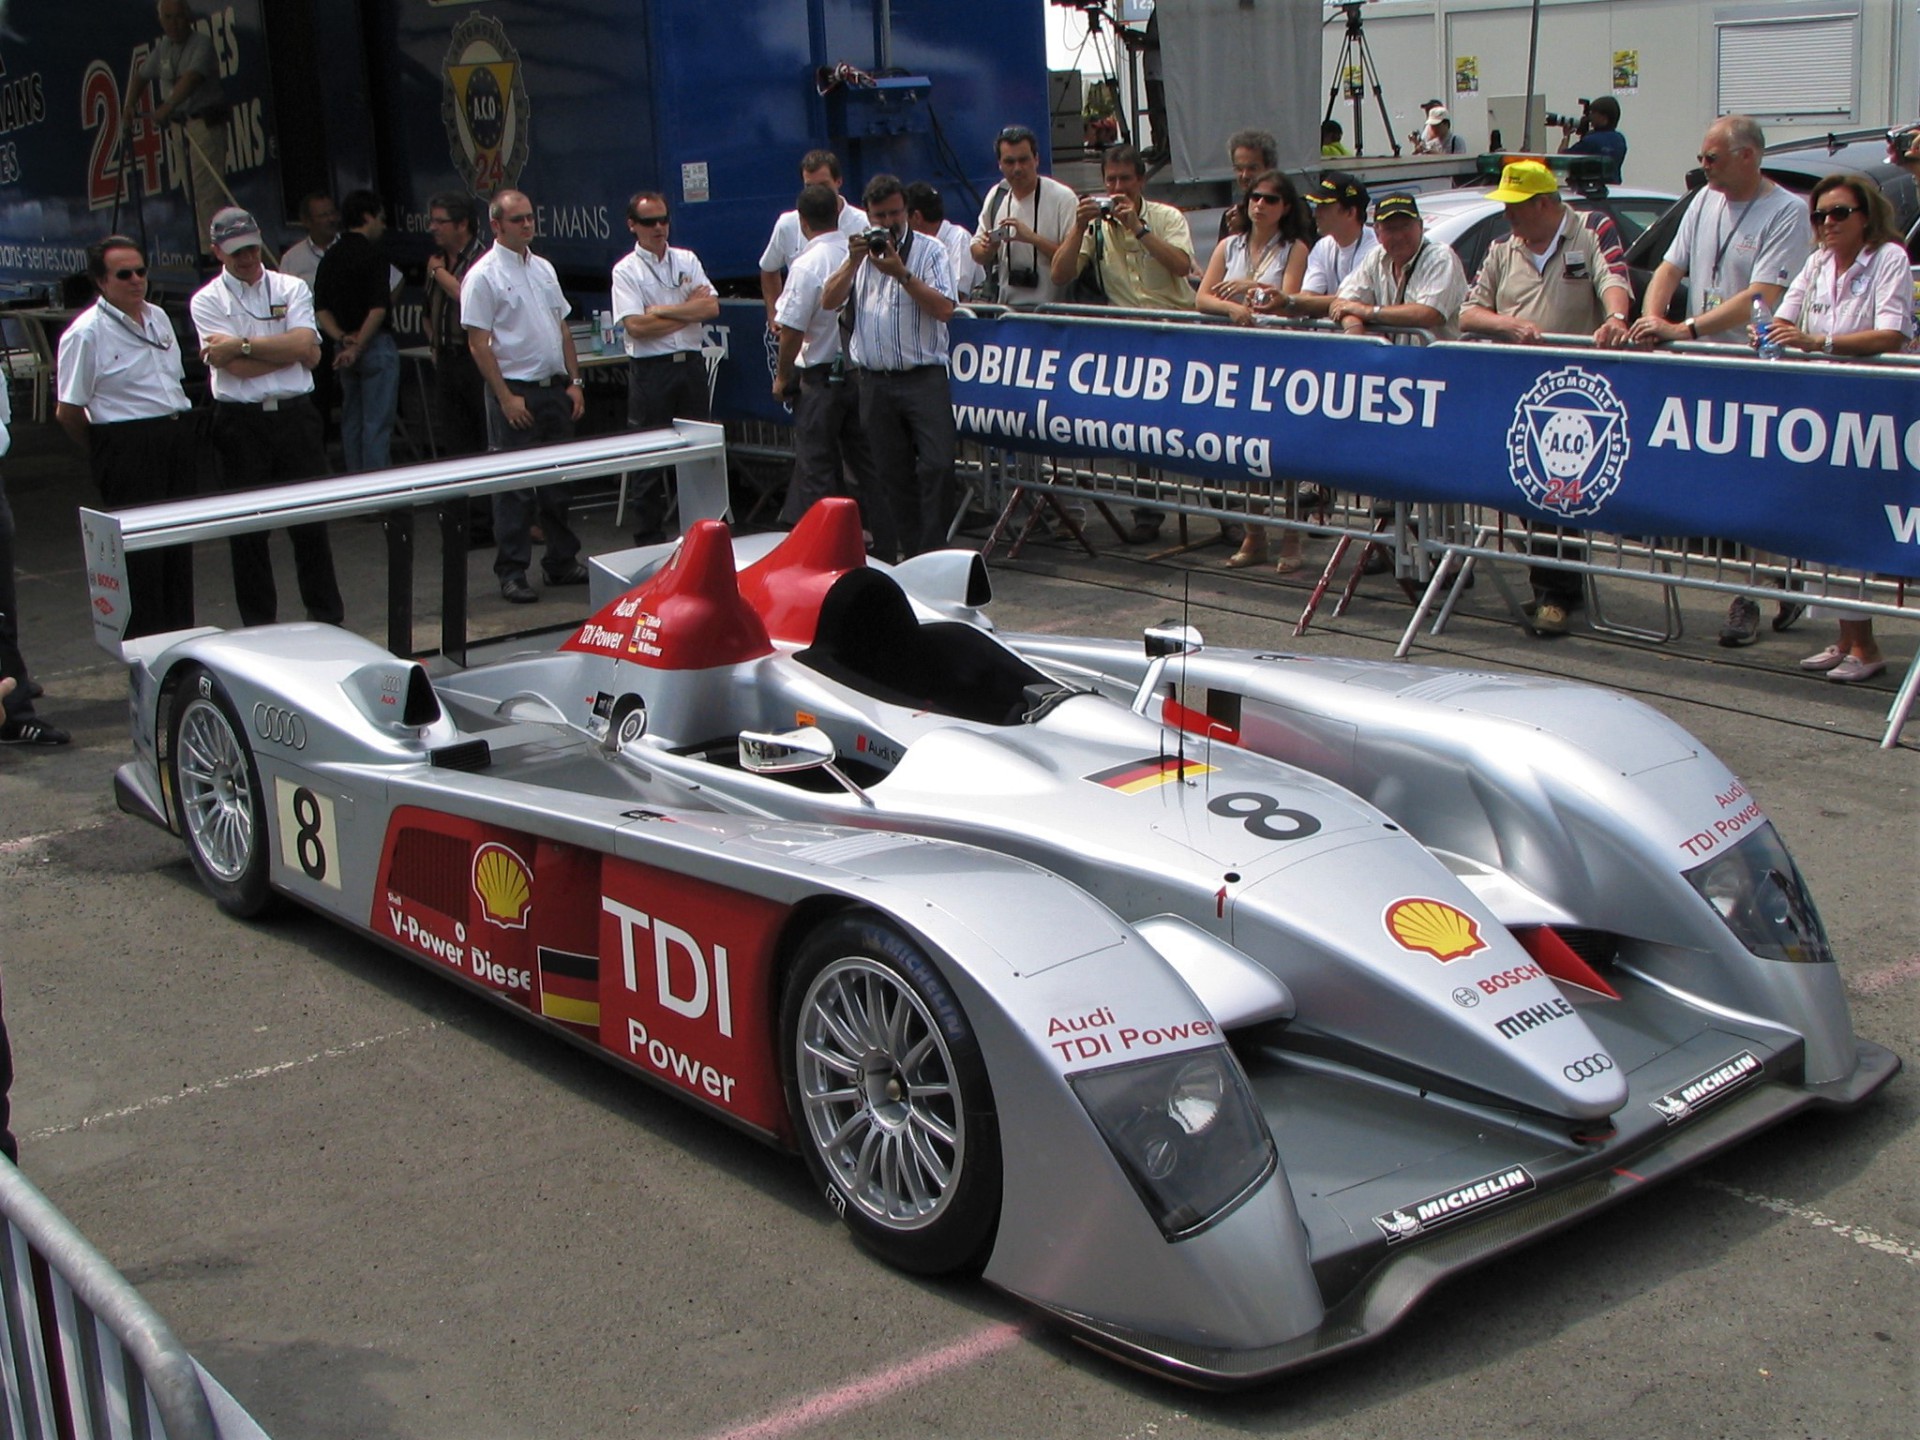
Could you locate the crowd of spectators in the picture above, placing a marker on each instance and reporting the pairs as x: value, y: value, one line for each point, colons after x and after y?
x: 857, y: 303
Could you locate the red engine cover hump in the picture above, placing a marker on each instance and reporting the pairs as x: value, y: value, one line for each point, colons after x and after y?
x: 690, y: 616
x: 788, y: 583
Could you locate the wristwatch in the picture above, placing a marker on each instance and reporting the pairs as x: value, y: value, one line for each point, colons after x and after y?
x: 1141, y: 233
x: 1826, y: 345
x: 246, y: 347
x: 572, y: 380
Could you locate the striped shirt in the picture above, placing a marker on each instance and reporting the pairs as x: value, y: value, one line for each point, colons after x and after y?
x: 890, y: 331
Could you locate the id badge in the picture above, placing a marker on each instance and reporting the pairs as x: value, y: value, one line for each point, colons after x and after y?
x: 1712, y: 301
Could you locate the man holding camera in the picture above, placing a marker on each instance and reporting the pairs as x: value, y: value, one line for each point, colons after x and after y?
x: 1022, y: 224
x: 1141, y: 250
x: 1596, y: 132
x: 901, y: 289
x: 811, y: 373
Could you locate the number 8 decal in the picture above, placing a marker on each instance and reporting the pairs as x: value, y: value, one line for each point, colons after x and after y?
x: 309, y: 842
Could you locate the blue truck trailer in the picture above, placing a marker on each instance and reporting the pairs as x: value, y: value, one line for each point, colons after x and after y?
x: 711, y: 102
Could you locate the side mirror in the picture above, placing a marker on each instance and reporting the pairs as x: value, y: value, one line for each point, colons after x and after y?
x: 783, y: 754
x: 1170, y: 638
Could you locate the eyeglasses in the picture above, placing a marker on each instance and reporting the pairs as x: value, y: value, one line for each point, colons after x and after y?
x: 1708, y: 157
x: 1271, y: 199
x: 649, y: 220
x: 131, y: 272
x: 439, y: 220
x: 1835, y: 213
x: 526, y: 219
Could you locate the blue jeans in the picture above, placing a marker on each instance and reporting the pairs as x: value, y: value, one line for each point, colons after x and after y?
x: 369, y: 391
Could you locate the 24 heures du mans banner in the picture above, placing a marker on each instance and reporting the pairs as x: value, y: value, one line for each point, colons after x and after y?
x: 1814, y: 461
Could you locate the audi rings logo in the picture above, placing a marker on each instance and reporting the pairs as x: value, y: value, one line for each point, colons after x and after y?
x: 1591, y: 1068
x: 282, y: 727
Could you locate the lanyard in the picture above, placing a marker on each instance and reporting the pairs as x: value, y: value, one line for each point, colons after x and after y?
x: 138, y: 332
x: 1726, y: 240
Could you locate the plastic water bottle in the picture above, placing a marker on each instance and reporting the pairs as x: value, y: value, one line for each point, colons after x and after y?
x: 1769, y: 349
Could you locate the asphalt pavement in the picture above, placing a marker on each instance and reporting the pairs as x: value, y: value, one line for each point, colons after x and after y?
x: 375, y: 1207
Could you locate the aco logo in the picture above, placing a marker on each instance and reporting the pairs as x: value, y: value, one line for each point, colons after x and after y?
x: 1433, y: 927
x: 1568, y: 442
x: 503, y: 885
x: 483, y: 105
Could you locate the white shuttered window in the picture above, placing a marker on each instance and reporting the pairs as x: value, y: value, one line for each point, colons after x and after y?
x: 1800, y: 65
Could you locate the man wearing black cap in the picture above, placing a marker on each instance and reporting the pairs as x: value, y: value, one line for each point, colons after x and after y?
x: 1406, y: 284
x: 1340, y: 211
x: 261, y: 342
x: 1601, y: 136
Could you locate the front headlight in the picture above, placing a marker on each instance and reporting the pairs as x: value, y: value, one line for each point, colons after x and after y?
x: 1756, y: 888
x: 1186, y: 1132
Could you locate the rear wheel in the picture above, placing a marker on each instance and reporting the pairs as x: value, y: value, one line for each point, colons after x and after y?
x: 889, y: 1096
x: 221, y: 804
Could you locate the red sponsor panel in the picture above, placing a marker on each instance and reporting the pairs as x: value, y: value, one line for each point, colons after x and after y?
x: 460, y: 893
x: 567, y: 961
x: 686, y: 987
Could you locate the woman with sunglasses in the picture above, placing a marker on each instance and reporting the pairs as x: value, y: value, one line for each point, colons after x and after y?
x: 1853, y: 297
x: 1257, y: 271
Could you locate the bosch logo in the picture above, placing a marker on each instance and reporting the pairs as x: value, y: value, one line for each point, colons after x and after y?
x: 282, y: 727
x: 1591, y: 1068
x: 1465, y: 998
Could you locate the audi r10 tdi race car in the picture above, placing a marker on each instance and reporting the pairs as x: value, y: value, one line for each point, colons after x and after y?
x: 1216, y: 1004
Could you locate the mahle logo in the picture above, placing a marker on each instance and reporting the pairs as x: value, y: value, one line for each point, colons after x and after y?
x: 483, y: 105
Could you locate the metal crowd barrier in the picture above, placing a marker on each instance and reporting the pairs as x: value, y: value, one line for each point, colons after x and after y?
x: 83, y: 1356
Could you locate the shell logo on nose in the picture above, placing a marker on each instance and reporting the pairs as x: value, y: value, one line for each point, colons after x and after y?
x: 1433, y: 927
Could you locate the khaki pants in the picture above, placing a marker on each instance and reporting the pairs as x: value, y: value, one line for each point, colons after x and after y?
x: 206, y: 143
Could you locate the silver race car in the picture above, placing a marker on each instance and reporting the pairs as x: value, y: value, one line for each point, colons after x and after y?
x: 1216, y: 1004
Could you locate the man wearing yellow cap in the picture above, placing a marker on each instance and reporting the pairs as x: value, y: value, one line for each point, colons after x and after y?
x: 1555, y: 274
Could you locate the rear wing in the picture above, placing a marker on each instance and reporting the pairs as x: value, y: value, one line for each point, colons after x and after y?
x: 696, y: 451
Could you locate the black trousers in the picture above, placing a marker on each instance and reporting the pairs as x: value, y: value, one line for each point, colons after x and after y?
x: 908, y: 418
x: 143, y: 462
x: 17, y: 706
x: 660, y: 390
x: 827, y: 443
x: 514, y: 511
x: 260, y: 448
x: 459, y: 403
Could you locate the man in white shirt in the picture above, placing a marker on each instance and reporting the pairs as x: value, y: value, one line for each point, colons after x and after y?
x: 662, y: 302
x: 1404, y: 284
x: 927, y: 214
x: 320, y: 218
x: 1340, y: 211
x: 516, y: 320
x: 260, y: 341
x: 901, y: 289
x: 811, y: 373
x: 121, y: 401
x: 817, y: 167
x: 1022, y: 222
x: 1743, y: 238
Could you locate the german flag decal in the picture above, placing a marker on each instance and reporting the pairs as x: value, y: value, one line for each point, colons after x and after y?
x: 570, y: 987
x: 1138, y: 776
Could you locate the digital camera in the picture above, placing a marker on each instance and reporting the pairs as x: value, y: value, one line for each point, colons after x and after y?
x: 878, y: 240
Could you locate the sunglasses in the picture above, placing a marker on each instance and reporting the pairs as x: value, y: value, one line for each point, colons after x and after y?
x: 526, y: 219
x: 1271, y: 199
x: 649, y: 220
x: 1835, y: 213
x: 133, y: 272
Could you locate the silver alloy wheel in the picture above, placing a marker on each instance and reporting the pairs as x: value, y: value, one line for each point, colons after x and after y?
x: 216, y: 795
x: 880, y: 1093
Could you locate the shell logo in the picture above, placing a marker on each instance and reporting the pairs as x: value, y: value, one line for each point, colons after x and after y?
x: 1433, y: 927
x: 503, y: 885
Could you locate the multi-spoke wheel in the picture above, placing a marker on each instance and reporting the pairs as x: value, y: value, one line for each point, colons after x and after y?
x: 218, y: 788
x: 889, y: 1096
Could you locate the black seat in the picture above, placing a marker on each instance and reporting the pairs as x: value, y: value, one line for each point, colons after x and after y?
x: 868, y: 639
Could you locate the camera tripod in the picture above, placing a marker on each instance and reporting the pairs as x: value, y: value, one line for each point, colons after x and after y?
x: 1356, y: 53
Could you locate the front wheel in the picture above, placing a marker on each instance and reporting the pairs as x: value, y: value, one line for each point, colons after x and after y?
x: 218, y: 788
x: 889, y: 1096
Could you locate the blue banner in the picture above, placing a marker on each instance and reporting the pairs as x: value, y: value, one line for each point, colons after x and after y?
x: 1812, y: 461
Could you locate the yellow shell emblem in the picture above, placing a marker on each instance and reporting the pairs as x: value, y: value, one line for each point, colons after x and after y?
x: 504, y: 885
x: 1434, y: 928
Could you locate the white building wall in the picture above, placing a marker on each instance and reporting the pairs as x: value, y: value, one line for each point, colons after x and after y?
x: 1415, y: 44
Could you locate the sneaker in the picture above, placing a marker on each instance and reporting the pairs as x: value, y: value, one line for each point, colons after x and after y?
x: 31, y: 731
x: 574, y: 574
x: 517, y: 591
x: 1743, y: 623
x: 1144, y: 532
x: 1548, y: 619
x: 1852, y: 670
x: 1787, y: 612
x: 1825, y: 660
